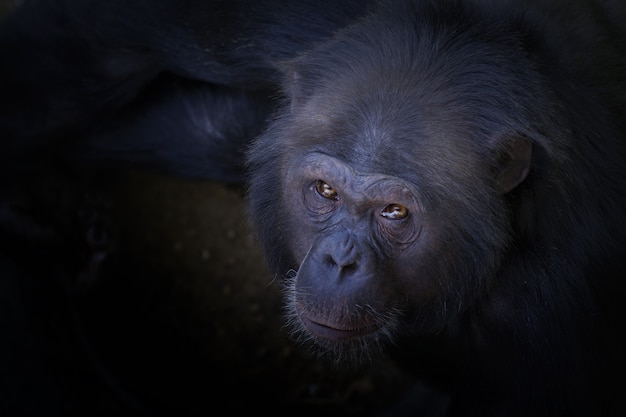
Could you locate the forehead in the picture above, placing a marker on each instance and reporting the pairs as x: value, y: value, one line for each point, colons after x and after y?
x: 383, y: 127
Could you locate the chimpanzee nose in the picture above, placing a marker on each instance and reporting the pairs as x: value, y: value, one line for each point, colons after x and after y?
x: 341, y: 252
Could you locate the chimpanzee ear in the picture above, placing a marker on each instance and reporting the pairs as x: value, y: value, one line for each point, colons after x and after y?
x: 513, y: 164
x: 297, y: 84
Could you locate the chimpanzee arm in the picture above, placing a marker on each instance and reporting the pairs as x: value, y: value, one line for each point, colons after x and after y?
x: 187, y: 128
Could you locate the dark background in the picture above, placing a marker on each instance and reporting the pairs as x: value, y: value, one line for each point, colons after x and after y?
x: 184, y: 318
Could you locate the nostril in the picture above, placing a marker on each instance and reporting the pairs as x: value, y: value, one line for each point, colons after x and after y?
x: 329, y: 260
x: 348, y: 267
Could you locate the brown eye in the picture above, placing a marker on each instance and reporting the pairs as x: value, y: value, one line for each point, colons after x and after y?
x: 326, y: 190
x: 395, y: 212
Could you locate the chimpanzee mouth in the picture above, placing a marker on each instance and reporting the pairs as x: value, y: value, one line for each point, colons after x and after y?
x: 330, y: 332
x: 346, y: 334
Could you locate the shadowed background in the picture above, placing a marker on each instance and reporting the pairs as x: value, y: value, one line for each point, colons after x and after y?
x: 184, y: 319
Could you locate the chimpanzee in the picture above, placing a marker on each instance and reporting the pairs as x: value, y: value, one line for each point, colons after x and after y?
x: 441, y: 180
x: 453, y: 173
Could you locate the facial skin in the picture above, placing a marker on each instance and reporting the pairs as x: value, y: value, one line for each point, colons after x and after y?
x: 356, y: 225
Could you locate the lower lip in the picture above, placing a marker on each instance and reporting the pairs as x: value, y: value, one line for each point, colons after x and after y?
x: 331, y: 333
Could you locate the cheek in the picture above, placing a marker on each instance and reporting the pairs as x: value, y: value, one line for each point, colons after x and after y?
x: 419, y: 275
x: 300, y: 249
x: 295, y: 233
x: 300, y: 238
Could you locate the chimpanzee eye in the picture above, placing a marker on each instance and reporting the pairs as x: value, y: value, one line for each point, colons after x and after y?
x: 326, y: 190
x: 395, y: 212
